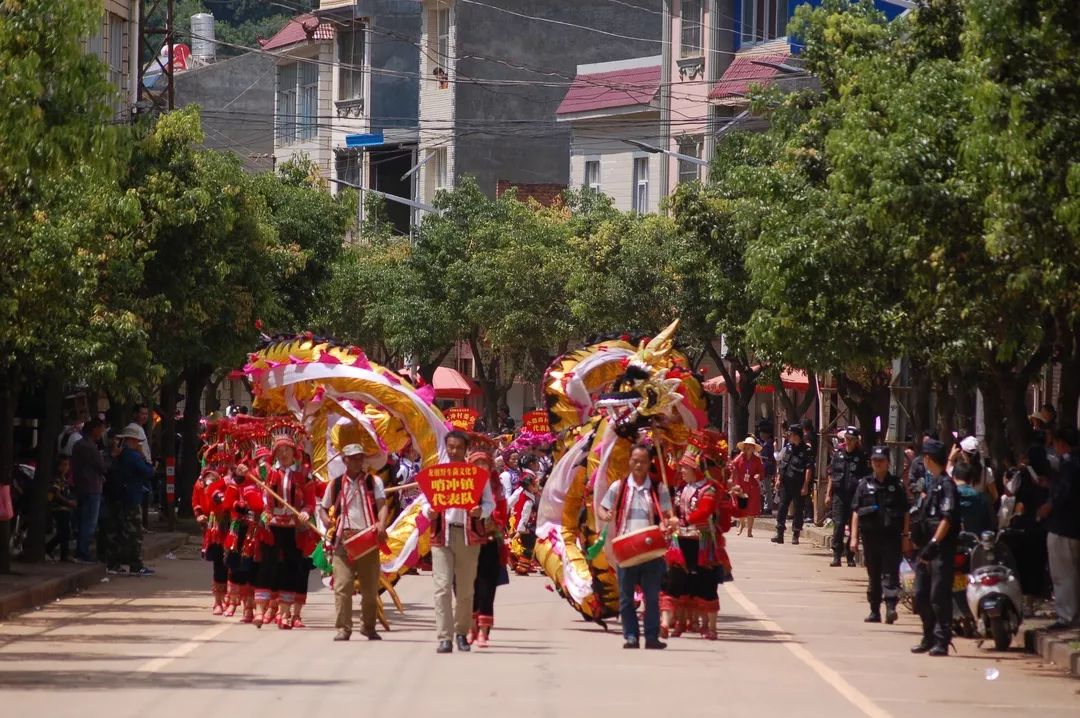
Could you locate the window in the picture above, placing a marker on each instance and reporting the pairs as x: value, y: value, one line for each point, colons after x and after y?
x: 309, y: 100
x: 439, y: 170
x: 117, y: 26
x: 691, y: 15
x: 763, y: 20
x: 348, y: 168
x: 351, y: 64
x: 690, y: 146
x: 592, y: 175
x: 641, y: 185
x: 439, y: 44
x: 286, y: 103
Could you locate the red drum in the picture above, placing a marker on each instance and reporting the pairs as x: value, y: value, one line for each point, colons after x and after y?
x: 362, y: 543
x: 639, y: 546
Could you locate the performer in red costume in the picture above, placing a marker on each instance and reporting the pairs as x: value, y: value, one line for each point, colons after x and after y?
x: 242, y: 499
x: 491, y: 565
x: 281, y: 561
x: 215, y: 522
x: 747, y: 470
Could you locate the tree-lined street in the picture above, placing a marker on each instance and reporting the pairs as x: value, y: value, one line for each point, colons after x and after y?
x: 791, y: 639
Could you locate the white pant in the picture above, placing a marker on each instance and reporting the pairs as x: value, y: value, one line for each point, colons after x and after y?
x: 1065, y: 573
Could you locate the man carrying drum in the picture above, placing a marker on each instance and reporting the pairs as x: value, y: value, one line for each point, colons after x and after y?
x: 637, y: 506
x: 355, y: 505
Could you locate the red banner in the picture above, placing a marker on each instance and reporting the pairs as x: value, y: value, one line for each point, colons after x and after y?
x: 456, y: 485
x: 462, y: 417
x: 536, y: 422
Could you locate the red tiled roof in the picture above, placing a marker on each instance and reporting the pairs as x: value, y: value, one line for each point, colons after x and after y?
x: 743, y: 72
x: 296, y: 31
x: 610, y: 90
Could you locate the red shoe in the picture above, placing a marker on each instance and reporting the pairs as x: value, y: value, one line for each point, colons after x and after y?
x: 677, y: 629
x: 284, y: 623
x: 709, y: 635
x: 218, y: 610
x: 664, y: 632
x: 481, y: 641
x: 257, y: 620
x: 249, y: 616
x: 297, y: 623
x: 229, y: 612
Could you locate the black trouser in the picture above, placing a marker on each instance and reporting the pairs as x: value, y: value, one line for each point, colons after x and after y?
x: 933, y: 596
x: 841, y: 516
x: 881, y: 554
x: 790, y: 492
x: 215, y: 554
x: 62, y: 521
x: 487, y: 578
x: 280, y: 562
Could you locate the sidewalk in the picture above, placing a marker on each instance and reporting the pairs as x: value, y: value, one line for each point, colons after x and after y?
x: 33, y: 585
x: 1060, y: 649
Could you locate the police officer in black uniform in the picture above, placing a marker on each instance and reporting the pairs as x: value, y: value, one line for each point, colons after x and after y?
x: 848, y: 466
x: 793, y: 483
x: 881, y: 518
x: 934, y: 528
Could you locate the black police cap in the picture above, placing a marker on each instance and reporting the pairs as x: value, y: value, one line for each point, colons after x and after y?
x: 880, y: 452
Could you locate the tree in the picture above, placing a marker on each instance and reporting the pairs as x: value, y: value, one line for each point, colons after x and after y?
x: 212, y: 265
x: 63, y: 240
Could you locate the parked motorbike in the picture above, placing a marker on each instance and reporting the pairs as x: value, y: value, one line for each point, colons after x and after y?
x: 964, y: 623
x: 994, y: 596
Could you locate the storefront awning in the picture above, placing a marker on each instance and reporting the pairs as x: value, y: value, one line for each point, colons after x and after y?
x: 791, y: 379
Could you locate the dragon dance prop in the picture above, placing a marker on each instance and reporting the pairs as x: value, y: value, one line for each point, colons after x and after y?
x: 600, y: 399
x: 341, y: 397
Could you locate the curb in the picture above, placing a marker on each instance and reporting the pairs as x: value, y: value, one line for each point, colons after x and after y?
x: 1055, y: 649
x: 49, y: 589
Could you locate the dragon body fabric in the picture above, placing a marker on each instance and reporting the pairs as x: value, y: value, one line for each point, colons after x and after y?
x: 343, y: 398
x: 600, y: 399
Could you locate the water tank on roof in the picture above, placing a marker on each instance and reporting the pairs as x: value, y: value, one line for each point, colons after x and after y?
x: 203, y: 47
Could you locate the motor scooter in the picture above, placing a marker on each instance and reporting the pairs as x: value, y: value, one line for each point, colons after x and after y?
x: 994, y: 596
x: 963, y: 620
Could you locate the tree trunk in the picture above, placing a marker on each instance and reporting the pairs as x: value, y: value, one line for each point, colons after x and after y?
x: 211, y: 400
x: 52, y: 397
x: 946, y: 409
x: 740, y: 379
x: 427, y: 369
x: 170, y: 390
x: 10, y: 379
x: 1069, y: 393
x: 867, y: 402
x: 797, y: 409
x: 997, y: 440
x: 195, y: 380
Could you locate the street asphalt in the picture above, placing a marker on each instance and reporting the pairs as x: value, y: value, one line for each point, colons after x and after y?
x: 792, y: 642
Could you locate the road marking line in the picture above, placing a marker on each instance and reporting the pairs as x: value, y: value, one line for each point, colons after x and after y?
x: 834, y: 679
x: 156, y: 664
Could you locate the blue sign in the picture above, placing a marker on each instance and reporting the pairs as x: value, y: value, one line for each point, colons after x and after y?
x: 372, y: 139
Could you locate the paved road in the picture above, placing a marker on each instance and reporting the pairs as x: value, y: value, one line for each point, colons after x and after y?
x: 792, y: 642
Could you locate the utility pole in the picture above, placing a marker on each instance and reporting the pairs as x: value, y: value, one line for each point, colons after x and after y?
x: 156, y: 29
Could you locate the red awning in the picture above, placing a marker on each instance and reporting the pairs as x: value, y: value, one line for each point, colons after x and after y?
x: 791, y: 379
x: 743, y: 72
x: 452, y: 384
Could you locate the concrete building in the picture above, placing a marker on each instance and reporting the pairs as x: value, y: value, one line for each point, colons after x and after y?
x: 116, y: 43
x: 493, y: 75
x: 346, y: 95
x: 609, y: 106
x: 236, y: 101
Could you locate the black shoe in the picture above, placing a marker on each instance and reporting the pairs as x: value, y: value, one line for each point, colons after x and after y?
x: 922, y: 647
x: 778, y: 538
x: 795, y: 539
x: 463, y: 644
x: 341, y: 636
x: 655, y: 644
x: 1058, y: 626
x: 835, y: 562
x: 631, y: 643
x: 939, y: 651
x: 874, y: 617
x: 373, y: 635
x: 851, y: 561
x: 445, y: 647
x: 890, y: 615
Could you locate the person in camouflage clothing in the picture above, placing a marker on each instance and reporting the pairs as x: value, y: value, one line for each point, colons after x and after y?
x: 133, y: 474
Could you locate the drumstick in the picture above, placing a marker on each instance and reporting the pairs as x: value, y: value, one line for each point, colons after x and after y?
x: 296, y: 512
x: 324, y: 464
x: 663, y: 469
x: 402, y: 487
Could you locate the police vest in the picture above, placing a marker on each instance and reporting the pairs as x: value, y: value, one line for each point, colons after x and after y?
x: 880, y: 506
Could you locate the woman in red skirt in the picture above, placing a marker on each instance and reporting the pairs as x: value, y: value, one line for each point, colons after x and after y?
x: 746, y: 471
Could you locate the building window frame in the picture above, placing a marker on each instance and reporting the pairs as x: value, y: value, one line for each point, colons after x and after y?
x: 440, y: 23
x: 762, y: 20
x: 307, y: 115
x: 352, y: 64
x: 692, y: 146
x: 640, y: 184
x: 692, y: 22
x: 592, y: 176
x: 285, y: 118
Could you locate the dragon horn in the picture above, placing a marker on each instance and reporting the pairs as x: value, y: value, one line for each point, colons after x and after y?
x: 661, y: 344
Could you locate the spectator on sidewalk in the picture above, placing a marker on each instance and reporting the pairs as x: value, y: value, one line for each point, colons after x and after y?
x: 1062, y: 517
x: 132, y: 473
x: 88, y: 468
x: 768, y: 462
x: 61, y: 503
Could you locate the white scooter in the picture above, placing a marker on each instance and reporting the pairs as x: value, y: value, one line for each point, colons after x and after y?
x: 993, y: 592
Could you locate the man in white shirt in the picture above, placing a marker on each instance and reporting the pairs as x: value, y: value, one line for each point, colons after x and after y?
x: 360, y: 501
x: 455, y: 550
x: 638, y: 507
